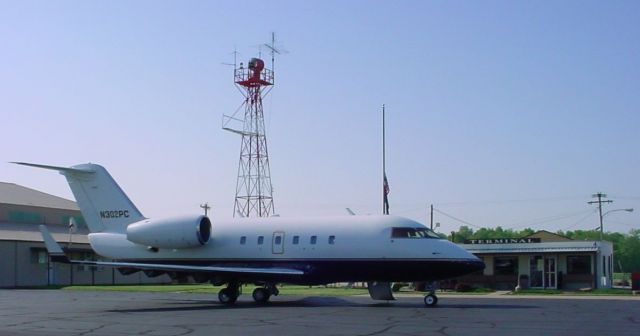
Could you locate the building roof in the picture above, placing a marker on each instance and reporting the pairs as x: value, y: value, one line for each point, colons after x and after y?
x: 565, y: 246
x: 547, y: 236
x: 11, y: 193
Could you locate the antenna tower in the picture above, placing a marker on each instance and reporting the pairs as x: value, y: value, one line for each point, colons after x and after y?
x: 254, y: 192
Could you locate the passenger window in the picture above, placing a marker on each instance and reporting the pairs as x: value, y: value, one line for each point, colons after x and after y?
x: 243, y: 240
x: 296, y: 240
x: 260, y: 240
x: 278, y: 240
x: 313, y: 240
x: 332, y: 240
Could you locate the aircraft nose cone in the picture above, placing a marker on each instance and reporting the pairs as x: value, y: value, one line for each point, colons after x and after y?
x: 477, y: 265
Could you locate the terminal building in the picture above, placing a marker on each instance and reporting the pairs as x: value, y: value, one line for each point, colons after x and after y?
x: 541, y: 260
x: 25, y: 262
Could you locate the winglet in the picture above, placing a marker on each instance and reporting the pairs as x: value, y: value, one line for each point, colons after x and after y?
x: 53, y: 248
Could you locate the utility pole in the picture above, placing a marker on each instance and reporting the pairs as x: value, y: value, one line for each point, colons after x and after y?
x: 600, y: 196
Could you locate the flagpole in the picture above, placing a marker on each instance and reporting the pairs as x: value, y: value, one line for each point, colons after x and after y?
x: 384, y: 171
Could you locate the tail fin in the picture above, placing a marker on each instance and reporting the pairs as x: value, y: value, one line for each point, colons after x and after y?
x: 104, y: 206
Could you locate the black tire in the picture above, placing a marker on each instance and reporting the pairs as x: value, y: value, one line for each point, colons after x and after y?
x: 261, y: 295
x: 227, y: 296
x: 430, y: 300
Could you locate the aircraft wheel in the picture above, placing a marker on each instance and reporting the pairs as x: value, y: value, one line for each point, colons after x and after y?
x: 227, y: 296
x: 430, y: 300
x: 261, y: 295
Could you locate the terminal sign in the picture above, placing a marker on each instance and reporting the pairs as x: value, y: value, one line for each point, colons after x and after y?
x: 503, y: 241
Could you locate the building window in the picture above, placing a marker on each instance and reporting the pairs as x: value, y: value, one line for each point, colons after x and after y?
x: 25, y: 217
x: 332, y: 240
x: 505, y: 265
x: 579, y: 264
x: 243, y: 240
x: 604, y: 266
x: 38, y: 257
x: 479, y: 272
x: 313, y: 240
x: 260, y: 240
x: 611, y: 266
x: 296, y: 240
x: 86, y: 256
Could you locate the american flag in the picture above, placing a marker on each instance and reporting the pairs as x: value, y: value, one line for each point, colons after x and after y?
x: 385, y: 193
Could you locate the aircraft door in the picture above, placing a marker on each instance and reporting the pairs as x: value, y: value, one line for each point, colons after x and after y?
x: 277, y: 244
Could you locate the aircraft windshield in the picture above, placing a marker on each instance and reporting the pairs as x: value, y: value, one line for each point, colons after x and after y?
x: 405, y: 232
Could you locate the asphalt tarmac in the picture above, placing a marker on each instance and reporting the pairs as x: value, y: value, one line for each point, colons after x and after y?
x: 58, y: 312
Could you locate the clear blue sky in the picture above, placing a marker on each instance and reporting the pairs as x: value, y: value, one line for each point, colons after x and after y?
x: 499, y: 112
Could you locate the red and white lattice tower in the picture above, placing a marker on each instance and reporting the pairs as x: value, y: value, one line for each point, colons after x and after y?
x: 254, y: 193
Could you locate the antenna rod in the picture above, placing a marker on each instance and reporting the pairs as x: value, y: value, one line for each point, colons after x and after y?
x: 273, y: 51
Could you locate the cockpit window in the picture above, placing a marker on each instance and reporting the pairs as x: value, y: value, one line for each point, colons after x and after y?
x: 405, y: 232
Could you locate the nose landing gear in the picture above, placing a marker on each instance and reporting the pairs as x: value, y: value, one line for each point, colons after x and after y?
x: 430, y: 300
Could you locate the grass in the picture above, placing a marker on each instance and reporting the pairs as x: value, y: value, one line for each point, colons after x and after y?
x: 621, y: 276
x: 595, y: 292
x: 208, y: 289
x: 318, y: 290
x: 284, y: 289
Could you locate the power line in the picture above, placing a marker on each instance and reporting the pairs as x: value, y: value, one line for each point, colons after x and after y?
x: 591, y: 212
x: 455, y: 218
x: 547, y: 219
x: 633, y: 198
x: 527, y: 222
x: 507, y: 201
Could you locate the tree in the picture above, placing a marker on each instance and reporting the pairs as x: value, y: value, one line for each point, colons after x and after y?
x: 463, y: 233
x: 629, y: 252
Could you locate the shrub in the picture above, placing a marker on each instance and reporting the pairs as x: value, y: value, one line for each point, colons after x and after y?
x: 462, y: 287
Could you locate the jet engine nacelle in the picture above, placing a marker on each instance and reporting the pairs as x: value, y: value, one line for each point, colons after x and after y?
x: 172, y: 233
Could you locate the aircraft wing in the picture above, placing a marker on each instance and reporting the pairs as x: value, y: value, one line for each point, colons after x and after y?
x: 189, y: 268
x: 58, y: 255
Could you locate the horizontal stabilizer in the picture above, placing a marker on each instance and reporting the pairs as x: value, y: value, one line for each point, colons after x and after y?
x: 60, y: 169
x: 53, y: 248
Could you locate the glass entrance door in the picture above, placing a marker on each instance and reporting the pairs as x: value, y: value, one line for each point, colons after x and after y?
x: 543, y: 272
x: 550, y: 272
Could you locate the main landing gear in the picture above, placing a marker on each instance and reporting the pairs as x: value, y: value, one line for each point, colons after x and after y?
x: 261, y: 295
x: 230, y: 294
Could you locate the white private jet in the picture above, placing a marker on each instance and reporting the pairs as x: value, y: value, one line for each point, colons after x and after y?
x: 261, y: 251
